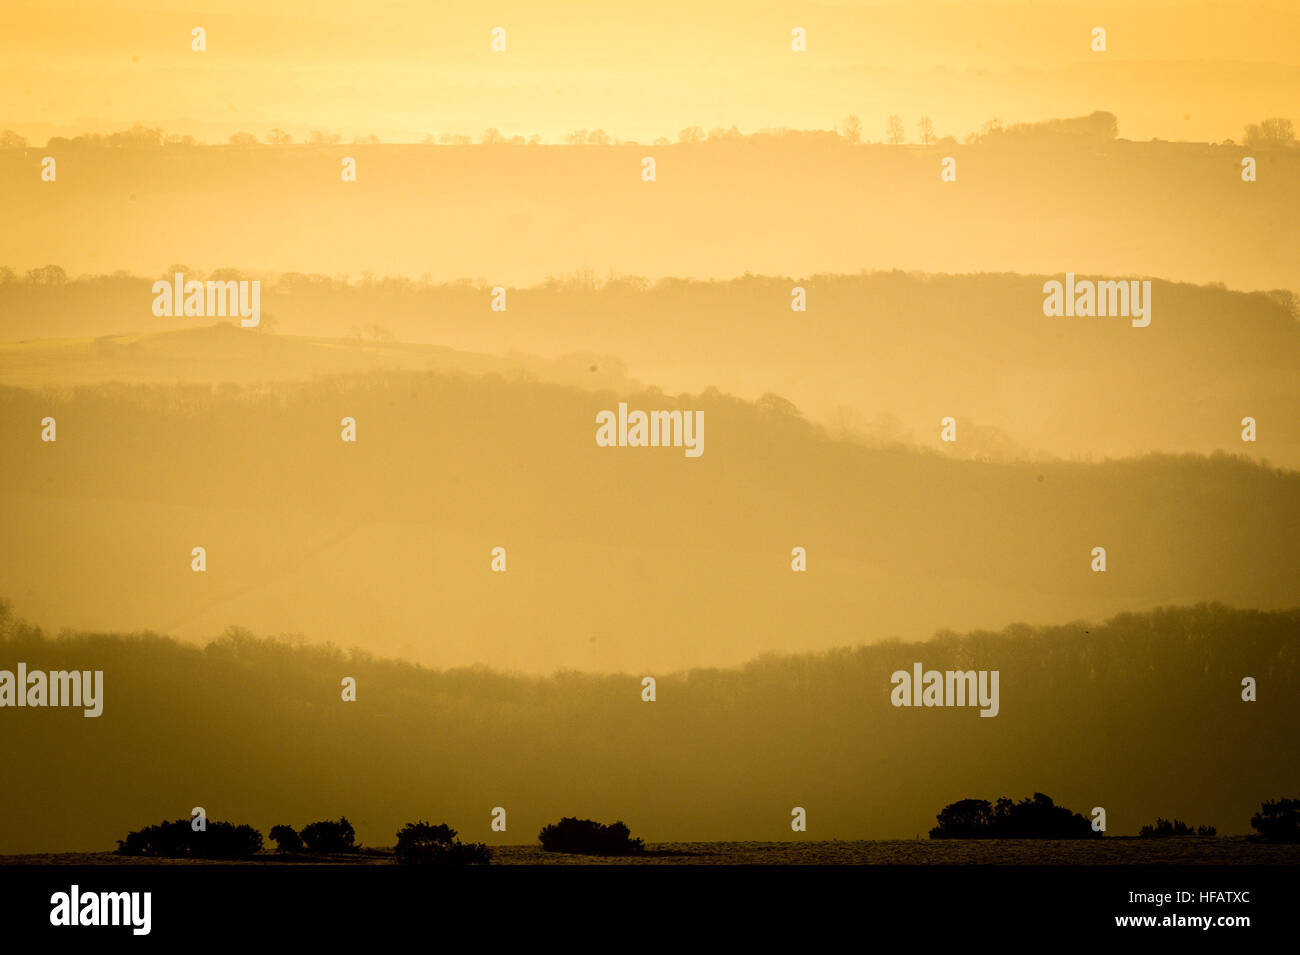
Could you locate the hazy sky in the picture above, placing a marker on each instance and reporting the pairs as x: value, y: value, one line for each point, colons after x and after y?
x: 779, y: 539
x: 399, y: 69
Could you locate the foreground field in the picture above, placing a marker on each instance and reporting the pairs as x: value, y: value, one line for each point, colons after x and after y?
x: 1228, y: 850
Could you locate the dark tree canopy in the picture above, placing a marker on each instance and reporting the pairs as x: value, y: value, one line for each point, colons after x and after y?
x: 588, y: 837
x: 1278, y: 821
x: 1033, y: 818
x: 286, y: 839
x: 419, y: 843
x: 326, y: 836
x: 178, y: 839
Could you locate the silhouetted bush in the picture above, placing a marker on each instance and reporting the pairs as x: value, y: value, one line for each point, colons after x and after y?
x: 1278, y: 821
x: 326, y: 836
x: 1177, y: 827
x: 419, y: 843
x: 589, y: 838
x: 286, y: 839
x: 171, y: 840
x: 1034, y: 818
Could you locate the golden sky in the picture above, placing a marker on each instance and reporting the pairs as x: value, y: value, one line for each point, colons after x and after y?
x: 403, y: 69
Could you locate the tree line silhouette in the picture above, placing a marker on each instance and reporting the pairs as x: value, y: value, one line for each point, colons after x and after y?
x: 1100, y: 125
x: 1175, y: 827
x: 418, y: 843
x: 422, y: 844
x: 1038, y: 817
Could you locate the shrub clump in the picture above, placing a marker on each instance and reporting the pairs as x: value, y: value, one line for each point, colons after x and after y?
x: 1165, y: 827
x: 1278, y: 821
x: 327, y: 836
x: 178, y: 840
x: 286, y: 839
x: 419, y: 843
x: 1034, y: 818
x: 586, y: 837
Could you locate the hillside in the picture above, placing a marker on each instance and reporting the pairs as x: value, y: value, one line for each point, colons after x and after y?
x: 879, y: 357
x: 1141, y: 715
x: 222, y: 353
x: 617, y: 558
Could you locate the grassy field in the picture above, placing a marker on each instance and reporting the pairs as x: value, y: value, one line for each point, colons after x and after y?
x: 1223, y: 850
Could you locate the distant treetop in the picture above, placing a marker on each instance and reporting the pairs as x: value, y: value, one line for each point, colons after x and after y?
x: 1097, y: 126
